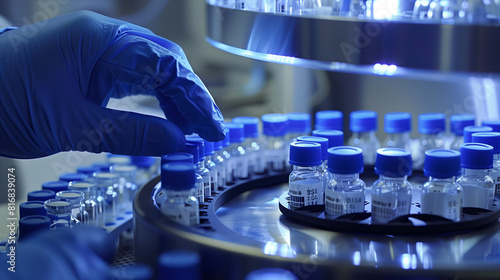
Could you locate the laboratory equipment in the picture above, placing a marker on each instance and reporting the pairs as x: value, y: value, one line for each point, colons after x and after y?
x: 345, y: 191
x: 238, y: 160
x: 253, y: 144
x: 220, y: 163
x: 391, y: 193
x: 274, y: 128
x: 335, y: 137
x: 76, y: 198
x: 34, y: 224
x: 469, y: 130
x: 363, y: 125
x: 59, y: 212
x: 187, y: 158
x: 476, y: 160
x: 107, y: 187
x: 431, y: 127
x: 94, y: 203
x: 397, y: 125
x: 329, y: 120
x: 41, y: 195
x: 492, y: 139
x: 55, y: 186
x: 457, y: 125
x: 199, y: 161
x: 194, y: 150
x: 29, y: 208
x: 178, y: 181
x: 441, y: 195
x: 306, y: 183
x: 211, y: 165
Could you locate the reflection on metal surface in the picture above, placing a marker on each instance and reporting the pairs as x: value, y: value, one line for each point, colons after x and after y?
x: 251, y: 215
x: 331, y: 43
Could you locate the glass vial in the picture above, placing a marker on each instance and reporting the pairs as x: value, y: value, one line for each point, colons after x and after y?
x: 186, y: 158
x: 208, y: 151
x: 126, y: 187
x: 147, y: 169
x: 107, y: 186
x: 200, y: 165
x: 345, y: 192
x: 275, y: 146
x: 457, y: 124
x: 178, y: 181
x: 431, y: 128
x: 76, y: 198
x: 391, y: 193
x: 238, y: 161
x: 335, y: 137
x: 202, y: 173
x: 492, y: 139
x: 94, y: 204
x: 441, y: 195
x: 59, y: 213
x: 397, y: 125
x: 478, y: 187
x: 298, y: 124
x: 306, y: 185
x: 363, y: 125
x: 471, y: 129
x: 329, y: 120
x: 324, y: 155
x: 221, y: 157
x: 253, y: 144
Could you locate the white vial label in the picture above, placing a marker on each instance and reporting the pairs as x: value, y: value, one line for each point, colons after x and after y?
x: 341, y: 203
x: 388, y: 206
x: 477, y: 197
x: 185, y: 215
x: 305, y: 193
x: 275, y: 159
x: 198, y: 193
x: 442, y: 204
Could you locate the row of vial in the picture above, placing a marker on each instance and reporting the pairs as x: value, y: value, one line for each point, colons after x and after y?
x: 98, y: 195
x: 468, y: 11
x: 244, y: 152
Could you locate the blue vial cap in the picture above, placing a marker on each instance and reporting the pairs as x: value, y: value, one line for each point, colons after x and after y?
x: 490, y: 138
x: 329, y: 119
x: 136, y: 271
x: 363, y: 121
x: 476, y: 156
x: 458, y: 122
x: 393, y: 162
x: 236, y: 132
x: 224, y: 142
x: 271, y: 274
x: 251, y: 126
x: 55, y: 186
x: 469, y: 130
x: 118, y: 159
x: 194, y: 150
x: 200, y: 142
x: 177, y: 157
x: 274, y: 124
x: 35, y: 224
x: 345, y: 160
x: 208, y: 147
x: 298, y: 123
x: 397, y: 122
x: 143, y: 161
x: 432, y: 123
x: 179, y: 264
x: 88, y: 169
x: 335, y: 137
x: 304, y: 153
x: 41, y: 195
x: 494, y: 124
x: 178, y: 176
x: 441, y: 163
x: 103, y: 166
x: 73, y: 176
x: 320, y: 140
x: 31, y: 208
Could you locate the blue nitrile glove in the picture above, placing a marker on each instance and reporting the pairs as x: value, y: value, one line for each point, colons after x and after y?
x: 80, y: 253
x: 56, y: 76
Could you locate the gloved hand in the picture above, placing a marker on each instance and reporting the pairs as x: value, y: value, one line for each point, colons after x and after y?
x: 79, y: 254
x: 56, y: 77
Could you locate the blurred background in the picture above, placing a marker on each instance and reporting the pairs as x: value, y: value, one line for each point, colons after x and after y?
x: 242, y: 86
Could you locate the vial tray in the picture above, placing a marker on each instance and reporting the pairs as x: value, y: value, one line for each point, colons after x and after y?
x: 414, y: 223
